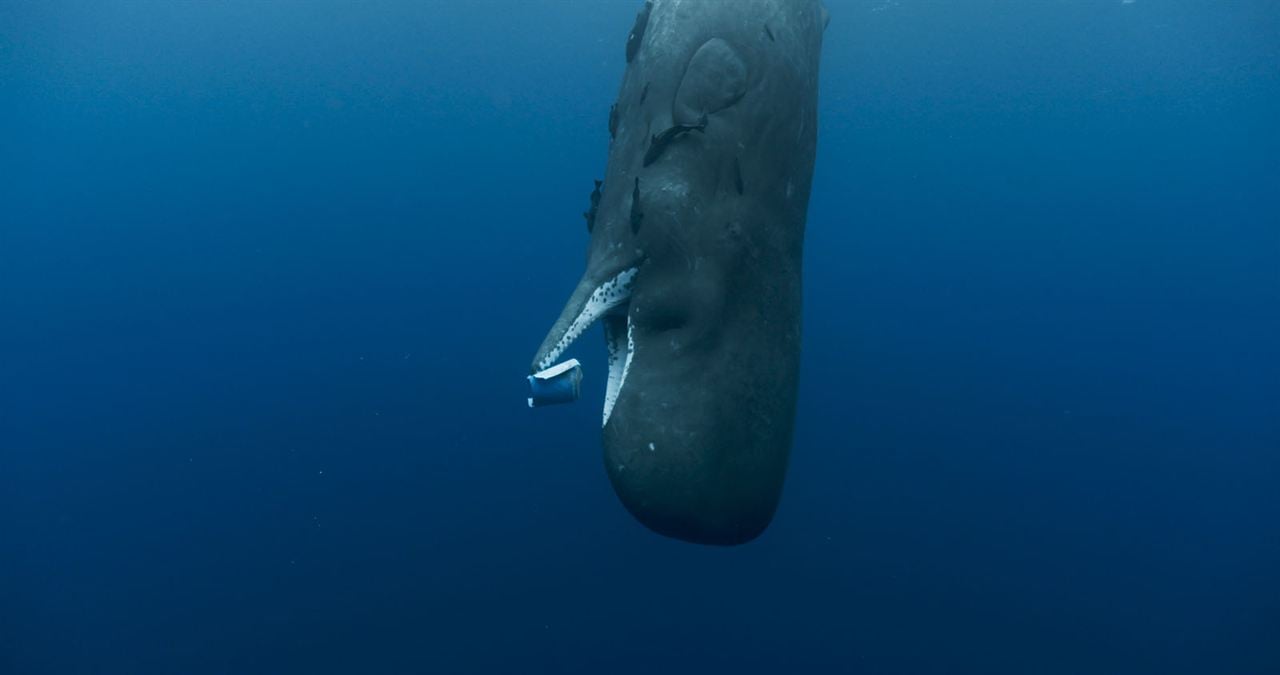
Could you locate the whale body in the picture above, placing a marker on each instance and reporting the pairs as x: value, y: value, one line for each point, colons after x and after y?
x: 694, y: 261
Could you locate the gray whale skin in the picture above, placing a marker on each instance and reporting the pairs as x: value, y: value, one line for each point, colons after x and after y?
x: 694, y: 261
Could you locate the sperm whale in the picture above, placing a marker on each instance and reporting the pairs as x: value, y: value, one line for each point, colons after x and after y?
x: 694, y: 261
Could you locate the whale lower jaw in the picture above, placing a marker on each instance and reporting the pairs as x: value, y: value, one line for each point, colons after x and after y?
x: 609, y: 303
x: 619, y: 336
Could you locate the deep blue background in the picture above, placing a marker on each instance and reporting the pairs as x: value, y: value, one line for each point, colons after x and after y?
x: 271, y: 274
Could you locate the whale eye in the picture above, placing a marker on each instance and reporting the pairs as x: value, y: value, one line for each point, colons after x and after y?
x: 667, y: 316
x: 715, y: 79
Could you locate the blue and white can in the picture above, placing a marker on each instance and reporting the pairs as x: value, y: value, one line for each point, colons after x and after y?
x: 558, y: 384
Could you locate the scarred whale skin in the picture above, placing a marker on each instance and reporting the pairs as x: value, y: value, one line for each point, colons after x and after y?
x: 698, y: 437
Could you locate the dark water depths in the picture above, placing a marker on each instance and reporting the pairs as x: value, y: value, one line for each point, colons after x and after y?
x: 271, y: 274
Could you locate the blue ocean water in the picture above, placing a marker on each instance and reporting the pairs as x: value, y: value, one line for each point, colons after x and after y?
x: 271, y: 274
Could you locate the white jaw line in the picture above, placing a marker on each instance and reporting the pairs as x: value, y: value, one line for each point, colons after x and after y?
x: 605, y: 299
x: 607, y: 296
x: 619, y: 364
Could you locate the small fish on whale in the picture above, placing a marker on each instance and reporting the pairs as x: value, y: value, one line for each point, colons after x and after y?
x: 658, y: 144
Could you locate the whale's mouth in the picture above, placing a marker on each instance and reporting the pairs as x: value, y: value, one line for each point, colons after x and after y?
x: 621, y: 342
x: 608, y: 302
